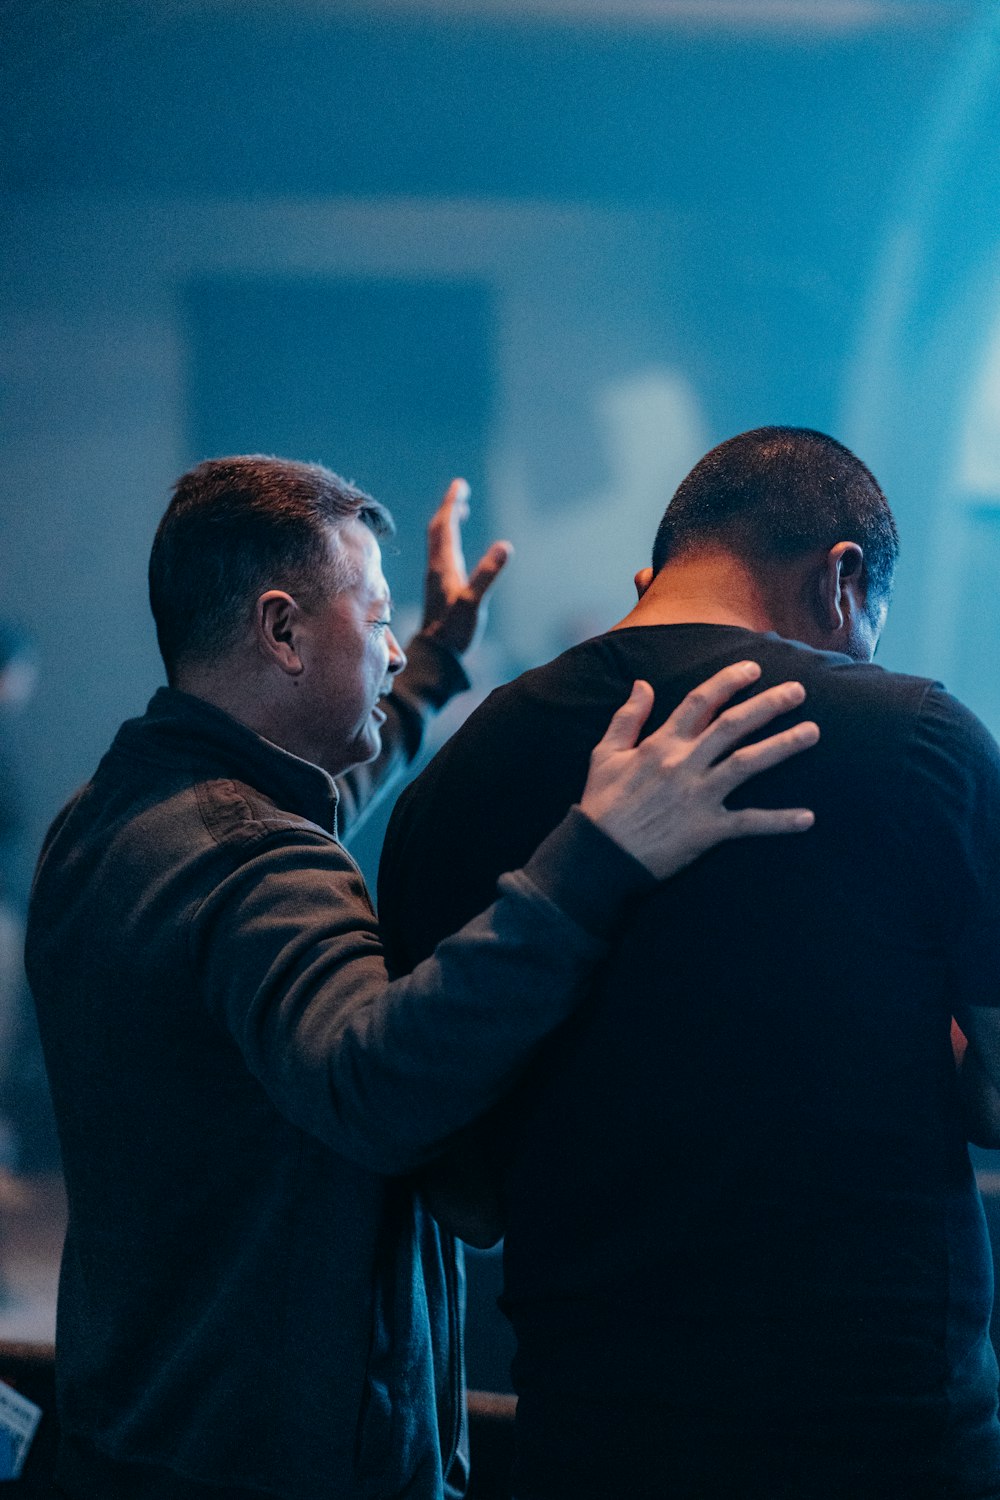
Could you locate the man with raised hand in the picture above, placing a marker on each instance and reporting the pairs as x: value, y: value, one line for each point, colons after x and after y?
x: 253, y: 1301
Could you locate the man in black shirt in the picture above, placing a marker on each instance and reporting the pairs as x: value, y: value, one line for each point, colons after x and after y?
x: 745, y: 1253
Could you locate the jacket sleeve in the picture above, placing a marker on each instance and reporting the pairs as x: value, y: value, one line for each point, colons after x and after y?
x: 288, y: 951
x: 432, y: 677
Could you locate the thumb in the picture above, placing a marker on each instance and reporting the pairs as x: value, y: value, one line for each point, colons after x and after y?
x: 626, y: 725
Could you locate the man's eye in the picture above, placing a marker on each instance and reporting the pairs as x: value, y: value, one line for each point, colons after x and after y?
x: 381, y: 624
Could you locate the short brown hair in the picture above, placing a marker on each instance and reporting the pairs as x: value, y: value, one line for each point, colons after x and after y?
x: 238, y: 526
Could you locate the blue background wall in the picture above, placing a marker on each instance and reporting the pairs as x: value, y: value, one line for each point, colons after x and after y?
x: 672, y: 222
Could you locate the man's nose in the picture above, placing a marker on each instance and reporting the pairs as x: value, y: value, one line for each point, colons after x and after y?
x: 397, y: 656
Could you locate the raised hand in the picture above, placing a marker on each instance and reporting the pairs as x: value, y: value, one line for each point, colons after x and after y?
x: 454, y: 610
x: 664, y: 799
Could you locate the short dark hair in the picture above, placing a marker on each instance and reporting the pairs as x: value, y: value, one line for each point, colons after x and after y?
x: 238, y: 526
x: 776, y: 493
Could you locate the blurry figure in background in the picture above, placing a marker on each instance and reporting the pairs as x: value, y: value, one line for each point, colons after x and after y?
x: 649, y: 430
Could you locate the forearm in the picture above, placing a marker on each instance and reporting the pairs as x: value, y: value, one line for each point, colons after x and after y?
x: 433, y: 676
x: 384, y: 1072
x: 438, y: 1047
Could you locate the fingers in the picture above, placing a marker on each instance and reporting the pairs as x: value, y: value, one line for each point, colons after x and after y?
x: 695, y: 712
x: 454, y: 505
x: 753, y: 821
x: 745, y: 719
x: 626, y: 724
x: 452, y: 511
x: 453, y: 603
x: 493, y: 561
x: 752, y: 759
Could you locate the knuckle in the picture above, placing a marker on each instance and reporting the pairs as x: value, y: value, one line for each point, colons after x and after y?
x: 730, y: 722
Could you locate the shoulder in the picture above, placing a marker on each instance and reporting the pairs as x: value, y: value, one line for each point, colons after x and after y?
x: 539, y: 725
x: 842, y: 679
x: 147, y: 826
x: 911, y: 756
x: 907, y: 735
x: 246, y: 839
x: 944, y: 720
x: 234, y: 812
x: 954, y: 756
x: 264, y: 868
x: 859, y: 704
x: 563, y: 691
x: 916, y: 713
x: 585, y: 673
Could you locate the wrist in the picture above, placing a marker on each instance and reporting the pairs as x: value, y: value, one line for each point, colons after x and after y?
x: 588, y: 873
x: 434, y: 671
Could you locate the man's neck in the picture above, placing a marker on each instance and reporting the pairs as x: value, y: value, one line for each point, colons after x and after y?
x: 711, y: 588
x: 230, y: 685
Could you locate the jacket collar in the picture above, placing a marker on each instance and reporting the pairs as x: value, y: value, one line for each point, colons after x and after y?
x: 181, y: 729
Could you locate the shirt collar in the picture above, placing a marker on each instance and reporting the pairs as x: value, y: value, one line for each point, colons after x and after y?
x: 178, y: 725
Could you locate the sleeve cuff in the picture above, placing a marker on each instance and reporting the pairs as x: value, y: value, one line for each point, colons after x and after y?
x: 433, y: 674
x: 587, y: 874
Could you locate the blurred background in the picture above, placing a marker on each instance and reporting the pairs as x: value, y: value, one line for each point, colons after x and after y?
x: 558, y: 246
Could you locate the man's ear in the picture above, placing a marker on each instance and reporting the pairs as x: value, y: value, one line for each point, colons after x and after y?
x: 642, y: 580
x: 841, y: 586
x: 277, y: 621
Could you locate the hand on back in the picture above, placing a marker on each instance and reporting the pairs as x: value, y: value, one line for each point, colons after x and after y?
x: 664, y: 799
